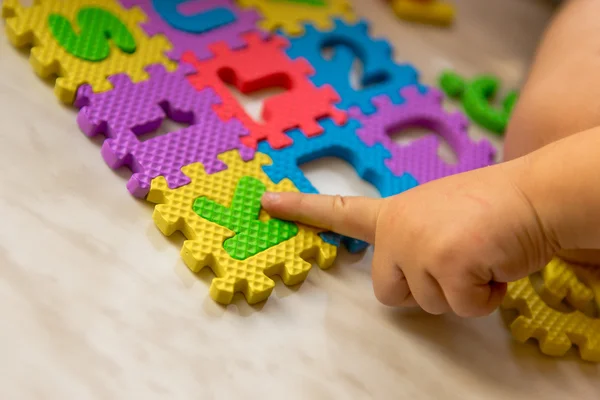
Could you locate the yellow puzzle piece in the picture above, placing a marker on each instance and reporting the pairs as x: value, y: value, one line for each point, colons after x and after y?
x: 562, y: 282
x: 555, y: 331
x: 289, y: 15
x: 204, y: 246
x: 435, y: 12
x: 68, y: 39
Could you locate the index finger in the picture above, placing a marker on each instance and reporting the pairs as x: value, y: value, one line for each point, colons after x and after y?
x: 355, y: 217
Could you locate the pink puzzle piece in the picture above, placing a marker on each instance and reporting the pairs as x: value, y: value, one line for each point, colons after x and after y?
x: 420, y: 158
x: 131, y: 110
x: 198, y: 43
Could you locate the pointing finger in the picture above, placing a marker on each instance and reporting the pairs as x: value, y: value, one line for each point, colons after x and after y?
x: 349, y: 216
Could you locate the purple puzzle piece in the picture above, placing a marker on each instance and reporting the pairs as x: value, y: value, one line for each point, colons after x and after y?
x: 420, y: 158
x: 130, y: 110
x: 198, y: 43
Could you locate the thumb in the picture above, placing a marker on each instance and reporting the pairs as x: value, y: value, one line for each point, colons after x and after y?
x: 349, y: 216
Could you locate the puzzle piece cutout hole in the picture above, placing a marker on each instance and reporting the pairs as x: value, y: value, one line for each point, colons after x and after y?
x: 323, y: 171
x: 406, y: 135
x: 253, y: 95
x: 354, y: 64
x: 167, y: 126
x: 253, y: 102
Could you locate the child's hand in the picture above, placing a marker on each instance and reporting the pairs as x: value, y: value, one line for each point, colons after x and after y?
x: 453, y: 244
x: 448, y: 245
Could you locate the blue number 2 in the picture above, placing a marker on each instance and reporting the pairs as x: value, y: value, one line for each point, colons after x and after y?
x: 196, y: 23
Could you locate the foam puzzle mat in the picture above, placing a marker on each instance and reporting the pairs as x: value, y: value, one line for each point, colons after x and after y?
x: 126, y: 66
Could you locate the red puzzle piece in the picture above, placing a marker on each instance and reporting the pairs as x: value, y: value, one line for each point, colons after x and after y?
x: 264, y: 64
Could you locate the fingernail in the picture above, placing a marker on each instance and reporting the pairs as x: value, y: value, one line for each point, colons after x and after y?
x: 271, y: 198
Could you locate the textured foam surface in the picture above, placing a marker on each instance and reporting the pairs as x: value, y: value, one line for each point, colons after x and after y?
x: 223, y: 29
x: 131, y: 110
x: 204, y: 244
x: 252, y: 235
x: 300, y: 106
x: 556, y: 331
x: 30, y: 26
x: 381, y: 74
x: 578, y: 286
x: 420, y: 157
x: 341, y: 142
x: 289, y: 16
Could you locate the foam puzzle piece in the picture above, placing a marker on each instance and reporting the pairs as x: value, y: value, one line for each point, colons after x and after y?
x: 132, y: 110
x: 204, y: 244
x: 32, y: 26
x: 561, y: 282
x: 475, y: 97
x: 196, y: 31
x: 341, y: 142
x: 556, y: 331
x: 252, y: 235
x: 420, y: 158
x: 381, y: 74
x: 434, y: 12
x: 290, y: 16
x: 300, y: 106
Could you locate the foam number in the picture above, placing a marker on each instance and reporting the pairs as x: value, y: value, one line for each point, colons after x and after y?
x: 475, y: 97
x: 170, y: 11
x: 252, y: 235
x: 97, y: 28
x: 351, y: 42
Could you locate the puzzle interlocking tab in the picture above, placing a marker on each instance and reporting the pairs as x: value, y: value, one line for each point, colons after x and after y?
x: 289, y: 16
x: 342, y: 142
x: 475, y: 97
x: 131, y: 110
x: 563, y: 282
x: 556, y: 331
x: 49, y: 26
x: 381, y: 74
x: 212, y: 21
x: 420, y: 158
x: 435, y: 12
x: 300, y: 106
x: 204, y: 245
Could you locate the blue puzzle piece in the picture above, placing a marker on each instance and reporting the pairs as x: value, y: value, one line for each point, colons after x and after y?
x: 381, y: 74
x: 341, y: 142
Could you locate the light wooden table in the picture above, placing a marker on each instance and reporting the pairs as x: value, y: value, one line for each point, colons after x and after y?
x: 96, y: 304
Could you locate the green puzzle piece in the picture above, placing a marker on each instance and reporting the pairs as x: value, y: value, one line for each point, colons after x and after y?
x: 476, y: 96
x: 252, y: 235
x: 97, y: 27
x: 308, y: 2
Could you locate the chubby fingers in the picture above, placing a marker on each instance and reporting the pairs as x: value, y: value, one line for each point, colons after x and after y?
x: 349, y: 216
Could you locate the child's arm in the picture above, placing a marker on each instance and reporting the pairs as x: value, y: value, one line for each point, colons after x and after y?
x: 561, y: 94
x: 452, y: 244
